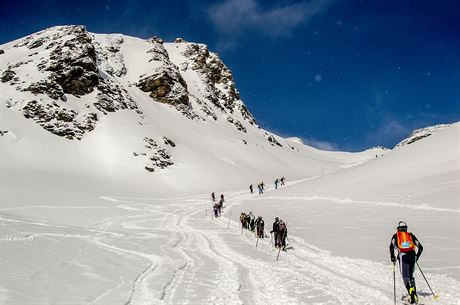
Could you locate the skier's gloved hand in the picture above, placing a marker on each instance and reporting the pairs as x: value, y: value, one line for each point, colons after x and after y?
x: 393, y: 259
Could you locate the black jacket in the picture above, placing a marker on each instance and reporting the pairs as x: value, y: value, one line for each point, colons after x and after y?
x: 276, y: 227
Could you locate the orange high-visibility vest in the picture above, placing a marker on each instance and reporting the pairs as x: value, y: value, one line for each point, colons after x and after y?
x: 405, y: 242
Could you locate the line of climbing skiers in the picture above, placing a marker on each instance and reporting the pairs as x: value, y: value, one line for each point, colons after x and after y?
x: 261, y: 186
x: 403, y: 244
x: 251, y: 223
x: 217, y: 207
x: 279, y: 228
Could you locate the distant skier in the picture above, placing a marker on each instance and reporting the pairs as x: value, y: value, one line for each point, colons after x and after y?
x: 248, y: 222
x: 259, y: 186
x: 251, y: 189
x: 262, y: 185
x: 221, y: 201
x: 282, y: 180
x: 222, y: 197
x: 252, y: 221
x: 275, y: 231
x: 405, y: 243
x: 260, y: 227
x: 216, y: 209
x: 282, y: 234
x: 243, y: 219
x: 213, y: 196
x: 276, y: 183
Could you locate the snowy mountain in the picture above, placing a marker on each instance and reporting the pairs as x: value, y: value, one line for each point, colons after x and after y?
x: 110, y: 103
x: 110, y: 146
x: 421, y: 133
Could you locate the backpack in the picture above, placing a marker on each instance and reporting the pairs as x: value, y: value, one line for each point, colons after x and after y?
x: 405, y: 242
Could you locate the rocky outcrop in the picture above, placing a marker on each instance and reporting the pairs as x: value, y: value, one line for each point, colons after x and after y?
x: 218, y: 79
x: 7, y: 76
x: 69, y: 64
x: 112, y: 61
x: 272, y: 140
x: 166, y: 86
x: 60, y: 121
x: 72, y: 63
x: 111, y: 97
x: 158, y: 156
x: 169, y: 142
x: 237, y: 124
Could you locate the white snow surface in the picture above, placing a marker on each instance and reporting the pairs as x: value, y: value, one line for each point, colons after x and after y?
x: 82, y: 222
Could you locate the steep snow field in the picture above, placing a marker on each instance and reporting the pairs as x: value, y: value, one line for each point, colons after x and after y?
x: 84, y: 222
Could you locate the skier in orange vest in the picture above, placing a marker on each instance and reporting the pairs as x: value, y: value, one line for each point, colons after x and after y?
x: 405, y: 243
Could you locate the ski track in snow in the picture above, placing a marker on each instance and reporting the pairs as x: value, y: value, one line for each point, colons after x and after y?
x: 365, y: 202
x: 201, y: 261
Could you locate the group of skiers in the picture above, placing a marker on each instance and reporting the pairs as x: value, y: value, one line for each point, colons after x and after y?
x: 261, y: 186
x: 218, y: 205
x: 279, y: 229
x: 251, y: 223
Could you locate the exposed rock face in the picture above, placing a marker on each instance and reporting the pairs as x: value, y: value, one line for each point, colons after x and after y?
x: 272, y: 140
x: 111, y: 97
x: 7, y: 75
x: 69, y: 61
x: 65, y: 79
x: 73, y: 63
x: 113, y: 61
x: 169, y: 142
x: 60, y: 121
x: 159, y: 157
x: 220, y: 87
x: 166, y: 86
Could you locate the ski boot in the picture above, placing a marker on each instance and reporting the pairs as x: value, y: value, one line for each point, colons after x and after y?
x: 413, y: 295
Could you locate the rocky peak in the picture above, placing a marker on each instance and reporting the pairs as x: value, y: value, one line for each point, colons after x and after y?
x: 79, y: 76
x: 220, y: 87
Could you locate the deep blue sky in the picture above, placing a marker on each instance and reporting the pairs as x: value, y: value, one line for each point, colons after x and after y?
x: 340, y: 74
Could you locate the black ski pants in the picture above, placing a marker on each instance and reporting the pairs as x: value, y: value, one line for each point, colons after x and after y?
x: 407, y: 268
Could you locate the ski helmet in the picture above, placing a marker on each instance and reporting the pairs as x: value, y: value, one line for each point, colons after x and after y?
x: 276, y: 218
x: 402, y: 226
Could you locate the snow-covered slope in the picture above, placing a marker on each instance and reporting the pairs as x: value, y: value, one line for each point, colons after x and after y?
x: 110, y: 146
x: 421, y: 133
x: 114, y: 106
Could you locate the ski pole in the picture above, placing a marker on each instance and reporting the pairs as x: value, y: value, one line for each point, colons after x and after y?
x: 435, y: 296
x: 271, y: 239
x: 394, y: 281
x: 257, y: 239
x: 228, y: 226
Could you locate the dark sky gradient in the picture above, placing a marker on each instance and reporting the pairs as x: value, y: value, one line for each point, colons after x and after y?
x: 342, y: 75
